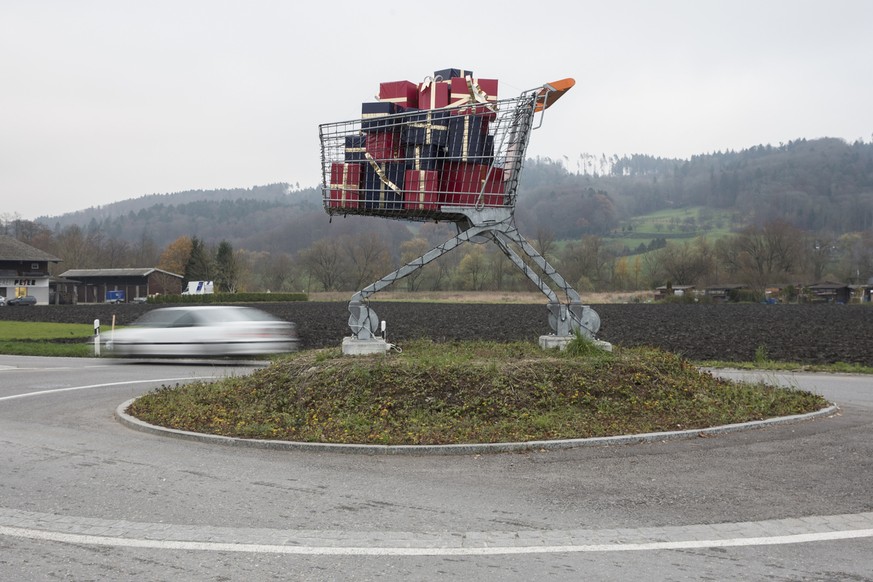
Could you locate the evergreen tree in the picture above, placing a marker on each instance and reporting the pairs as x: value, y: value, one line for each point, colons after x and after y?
x: 199, y: 266
x: 225, y: 268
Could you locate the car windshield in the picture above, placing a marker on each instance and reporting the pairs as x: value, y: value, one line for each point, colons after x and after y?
x: 204, y: 316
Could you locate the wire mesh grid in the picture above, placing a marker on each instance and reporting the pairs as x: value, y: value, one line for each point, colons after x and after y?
x: 425, y: 164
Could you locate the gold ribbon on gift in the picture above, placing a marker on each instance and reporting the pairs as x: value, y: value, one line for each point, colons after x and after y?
x: 345, y: 180
x: 351, y: 150
x: 421, y: 189
x: 429, y: 126
x: 345, y: 186
x: 380, y: 172
x: 416, y: 158
x: 465, y: 139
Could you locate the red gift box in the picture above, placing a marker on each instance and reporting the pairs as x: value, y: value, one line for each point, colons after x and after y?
x: 345, y: 185
x: 404, y: 93
x: 462, y: 182
x: 494, y: 188
x: 382, y: 145
x: 421, y: 190
x: 433, y: 94
x: 473, y: 91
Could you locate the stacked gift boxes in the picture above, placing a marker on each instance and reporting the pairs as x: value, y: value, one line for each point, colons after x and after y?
x: 422, y: 146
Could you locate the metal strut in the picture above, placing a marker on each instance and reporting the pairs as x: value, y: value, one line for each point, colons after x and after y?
x: 565, y: 319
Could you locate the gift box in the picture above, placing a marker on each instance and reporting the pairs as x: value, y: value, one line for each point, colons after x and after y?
x: 383, y: 185
x: 433, y: 94
x: 377, y: 116
x: 461, y: 184
x: 427, y: 128
x: 383, y: 145
x: 494, y: 188
x: 403, y: 93
x: 421, y: 190
x: 446, y: 74
x: 468, y: 139
x: 355, y: 148
x: 481, y: 94
x: 345, y: 185
x: 423, y: 157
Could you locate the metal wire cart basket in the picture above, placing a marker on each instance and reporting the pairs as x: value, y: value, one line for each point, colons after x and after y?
x: 444, y: 150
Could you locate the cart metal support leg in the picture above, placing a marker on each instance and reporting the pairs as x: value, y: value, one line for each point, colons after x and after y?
x: 565, y: 319
x: 363, y: 320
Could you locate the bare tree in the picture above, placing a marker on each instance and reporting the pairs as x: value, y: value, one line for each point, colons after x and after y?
x: 761, y: 255
x: 687, y: 263
x: 409, y: 251
x: 368, y: 256
x: 324, y: 261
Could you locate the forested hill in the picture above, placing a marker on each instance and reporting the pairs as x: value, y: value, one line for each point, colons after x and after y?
x: 816, y: 185
x: 273, y: 218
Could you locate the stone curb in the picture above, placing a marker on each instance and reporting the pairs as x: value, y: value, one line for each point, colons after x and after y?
x: 464, y: 449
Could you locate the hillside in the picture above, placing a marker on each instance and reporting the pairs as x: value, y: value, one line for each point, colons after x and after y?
x: 823, y: 185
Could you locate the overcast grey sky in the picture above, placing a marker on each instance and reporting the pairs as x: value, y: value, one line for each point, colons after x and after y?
x: 104, y: 100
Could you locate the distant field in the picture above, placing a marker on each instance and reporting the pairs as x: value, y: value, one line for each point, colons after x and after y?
x: 675, y: 224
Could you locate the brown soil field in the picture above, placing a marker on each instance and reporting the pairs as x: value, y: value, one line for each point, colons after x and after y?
x: 810, y: 334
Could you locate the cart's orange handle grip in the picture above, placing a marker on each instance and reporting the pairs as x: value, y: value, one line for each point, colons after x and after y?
x: 553, y: 91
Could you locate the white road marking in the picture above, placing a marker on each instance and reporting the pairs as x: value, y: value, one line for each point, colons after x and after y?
x: 426, y: 551
x: 106, y: 385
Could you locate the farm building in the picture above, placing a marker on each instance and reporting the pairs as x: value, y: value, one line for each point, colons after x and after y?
x: 123, y: 285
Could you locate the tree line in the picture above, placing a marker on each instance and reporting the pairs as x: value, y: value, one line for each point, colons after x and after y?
x: 775, y: 252
x: 800, y: 212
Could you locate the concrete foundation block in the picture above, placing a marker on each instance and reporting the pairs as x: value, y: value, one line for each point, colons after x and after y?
x: 357, y: 347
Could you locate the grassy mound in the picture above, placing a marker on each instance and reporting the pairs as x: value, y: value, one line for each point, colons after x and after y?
x: 470, y: 392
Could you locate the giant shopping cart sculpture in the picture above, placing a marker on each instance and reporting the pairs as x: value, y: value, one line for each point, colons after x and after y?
x: 457, y: 163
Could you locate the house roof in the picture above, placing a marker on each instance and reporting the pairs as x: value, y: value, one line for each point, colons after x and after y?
x: 828, y: 285
x: 139, y: 272
x: 12, y: 249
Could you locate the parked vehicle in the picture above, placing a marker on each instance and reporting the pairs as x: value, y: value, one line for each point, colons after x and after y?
x: 199, y: 288
x: 23, y: 300
x: 213, y: 330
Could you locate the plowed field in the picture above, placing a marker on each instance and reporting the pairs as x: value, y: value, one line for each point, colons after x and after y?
x: 794, y: 333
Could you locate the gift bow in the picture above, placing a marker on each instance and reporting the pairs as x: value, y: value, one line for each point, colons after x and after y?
x: 475, y: 94
x: 430, y: 83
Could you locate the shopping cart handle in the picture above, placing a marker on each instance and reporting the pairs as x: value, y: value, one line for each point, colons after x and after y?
x: 551, y: 92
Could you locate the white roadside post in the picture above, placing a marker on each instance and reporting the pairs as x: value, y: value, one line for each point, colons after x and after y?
x: 97, y: 337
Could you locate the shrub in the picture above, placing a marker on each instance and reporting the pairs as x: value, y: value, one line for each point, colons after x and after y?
x: 229, y: 298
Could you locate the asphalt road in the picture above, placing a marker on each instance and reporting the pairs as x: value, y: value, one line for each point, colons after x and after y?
x: 82, y: 497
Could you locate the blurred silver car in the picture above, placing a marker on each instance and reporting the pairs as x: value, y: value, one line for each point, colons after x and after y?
x: 213, y: 330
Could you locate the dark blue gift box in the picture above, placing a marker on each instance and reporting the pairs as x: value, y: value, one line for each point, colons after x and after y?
x: 469, y: 140
x: 355, y: 148
x: 447, y: 74
x: 378, y: 116
x: 428, y: 127
x: 377, y: 192
x: 423, y: 157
